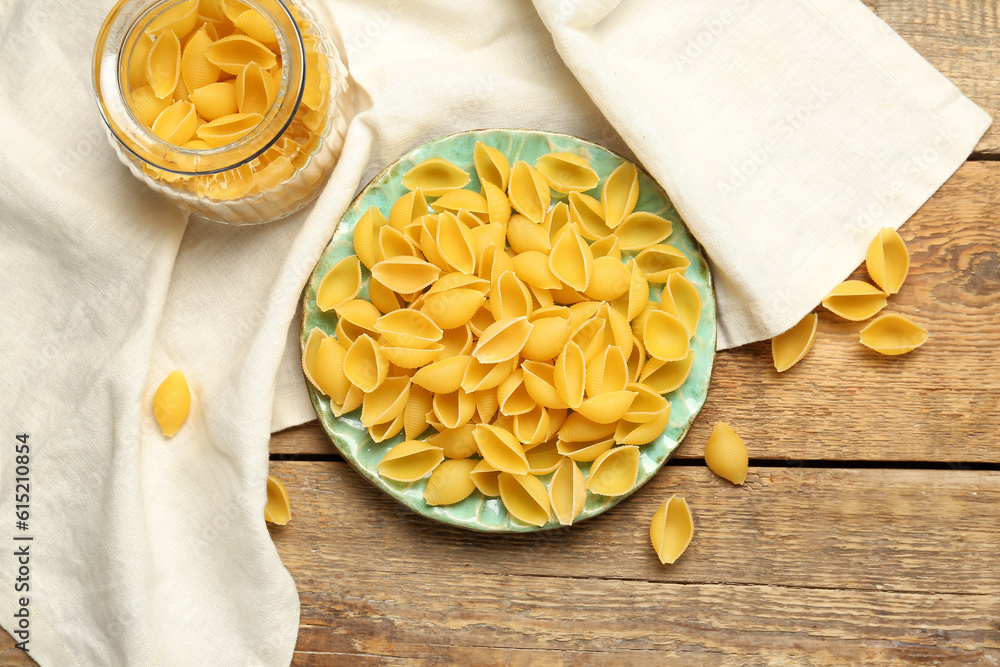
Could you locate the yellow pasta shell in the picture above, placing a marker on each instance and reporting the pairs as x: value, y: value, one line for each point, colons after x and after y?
x: 543, y: 457
x: 410, y: 358
x: 385, y: 402
x: 405, y: 275
x: 340, y: 284
x: 394, y: 243
x: 532, y: 267
x: 456, y: 443
x: 620, y: 194
x: 233, y: 9
x: 487, y: 405
x: 256, y: 90
x: 451, y: 281
x: 502, y: 340
x: 524, y: 235
x: 572, y: 261
x: 636, y: 360
x: 365, y: 365
x: 614, y: 472
x: 366, y: 234
x: 482, y: 376
x: 509, y: 297
x: 486, y: 478
x: 493, y: 261
x: 893, y: 335
x: 492, y: 166
x: 254, y: 24
x: 501, y: 449
x: 666, y: 376
x: 386, y: 430
x: 457, y: 341
x: 641, y: 230
x: 681, y: 299
x: 789, y: 348
x: 415, y: 411
x: 179, y: 20
x: 215, y: 100
x: 671, y: 530
x: 278, y: 508
x: 584, y: 451
x: 532, y: 428
x: 455, y: 244
x: 328, y: 369
x: 589, y: 336
x: 147, y: 105
x: 578, y: 428
x: 567, y: 492
x: 607, y: 408
x: 566, y: 172
x: 137, y: 61
x: 588, y: 216
x: 888, y: 260
x: 648, y: 404
x: 435, y: 177
x: 409, y: 461
x: 172, y: 402
x: 196, y: 70
x: 177, y: 123
x: 657, y: 262
x: 316, y: 336
x: 450, y: 483
x: 525, y: 497
x: 408, y: 328
x: 455, y: 200
x: 497, y: 204
x: 607, y: 372
x: 610, y: 280
x: 570, y: 375
x: 855, y: 300
x: 411, y: 206
x: 528, y: 191
x: 360, y: 313
x: 665, y: 337
x: 454, y: 409
x: 232, y: 54
x: 607, y: 247
x: 543, y: 298
x: 549, y: 336
x: 445, y: 376
x: 228, y: 129
x: 641, y: 433
x: 513, y: 396
x: 726, y: 455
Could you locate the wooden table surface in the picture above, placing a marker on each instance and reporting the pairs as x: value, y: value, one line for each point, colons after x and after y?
x: 868, y: 531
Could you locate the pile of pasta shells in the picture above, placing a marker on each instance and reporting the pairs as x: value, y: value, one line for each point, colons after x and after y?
x: 519, y: 328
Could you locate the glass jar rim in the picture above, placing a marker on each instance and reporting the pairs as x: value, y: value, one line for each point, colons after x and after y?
x: 137, y: 139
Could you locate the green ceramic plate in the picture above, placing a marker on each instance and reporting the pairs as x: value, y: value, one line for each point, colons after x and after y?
x: 478, y: 512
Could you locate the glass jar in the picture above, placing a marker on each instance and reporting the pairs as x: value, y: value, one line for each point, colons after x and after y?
x: 273, y: 169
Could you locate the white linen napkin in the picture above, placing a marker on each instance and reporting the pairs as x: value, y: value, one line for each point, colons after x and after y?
x: 153, y: 551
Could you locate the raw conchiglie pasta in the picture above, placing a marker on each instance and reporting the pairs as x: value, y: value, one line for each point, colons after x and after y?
x: 409, y: 461
x: 278, y: 508
x: 531, y: 428
x: 254, y: 24
x: 539, y: 382
x: 365, y: 365
x: 671, y: 530
x: 405, y: 275
x: 665, y: 337
x: 893, y: 335
x: 411, y: 206
x: 632, y: 302
x: 888, y: 260
x: 227, y: 129
x: 366, y: 233
x: 172, y: 402
x: 615, y: 471
x: 328, y: 369
x: 570, y: 375
x: 492, y: 165
x: 179, y: 19
x: 393, y: 243
x: 532, y: 267
x: 789, y: 348
x: 572, y: 261
x: 147, y: 105
x: 578, y: 428
x: 620, y: 194
x: 512, y: 395
x: 666, y: 376
x: 455, y: 244
x: 359, y: 313
x: 385, y: 430
x: 549, y: 334
x: 196, y: 70
x: 454, y: 201
x: 647, y: 406
x: 386, y: 401
x: 137, y: 63
x: 415, y: 412
x: 640, y: 433
x: 585, y: 451
x: 641, y: 230
x: 410, y: 358
x: 529, y: 192
x: 177, y: 123
x: 657, y: 262
x: 497, y: 204
x: 556, y: 218
x: 586, y: 213
x: 482, y: 376
x: 855, y: 300
x: 509, y: 297
x: 567, y: 492
x: 454, y: 409
x: 610, y: 279
x: 384, y: 298
x: 453, y: 308
x: 607, y: 247
x: 316, y: 337
x: 607, y: 372
x: 543, y: 456
x: 681, y: 299
x: 408, y: 328
x: 435, y: 177
x: 607, y: 408
x: 726, y: 455
x: 486, y: 478
x: 524, y: 235
x: 502, y: 340
x: 232, y: 54
x: 525, y: 497
x: 215, y: 100
x: 340, y: 284
x: 501, y: 449
x: 444, y: 376
x: 567, y: 172
x: 256, y: 90
x: 163, y: 64
x: 450, y: 483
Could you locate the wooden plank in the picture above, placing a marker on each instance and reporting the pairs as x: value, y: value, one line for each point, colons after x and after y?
x: 844, y: 402
x: 805, y: 566
x: 961, y: 38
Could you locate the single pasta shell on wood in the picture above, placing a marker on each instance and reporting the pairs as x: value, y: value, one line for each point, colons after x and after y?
x: 525, y: 497
x: 855, y: 300
x: 340, y: 284
x: 177, y: 123
x: 409, y: 461
x: 163, y: 64
x: 278, y: 508
x: 566, y: 172
x: 888, y: 260
x: 450, y: 483
x: 482, y: 376
x: 316, y: 336
x: 492, y: 166
x: 532, y: 267
x: 513, y: 396
x: 893, y: 335
x: 614, y: 472
x: 408, y: 328
x: 789, y: 348
x: 411, y: 358
x: 408, y: 208
x: 232, y: 54
x: 456, y: 443
x: 556, y: 218
x: 387, y: 429
x: 497, y: 204
x: 657, y: 262
x: 620, y: 194
x: 172, y: 402
x: 435, y: 176
x: 528, y: 191
x: 610, y: 280
x: 570, y: 375
x: 607, y: 372
x: 665, y: 337
x: 454, y: 409
x: 455, y: 200
x: 607, y: 408
x: 641, y: 230
x: 405, y: 275
x: 386, y: 402
x: 671, y: 530
x: 539, y: 382
x: 549, y: 336
x: 572, y: 261
x: 415, y: 411
x: 524, y: 235
x: 640, y: 433
x: 366, y: 234
x: 726, y: 455
x: 578, y: 428
x: 445, y: 376
x: 454, y: 308
x: 227, y: 129
x: 607, y: 247
x: 587, y: 215
x: 647, y: 406
x: 567, y: 492
x: 328, y: 369
x: 681, y: 299
x: 457, y: 341
x: 585, y: 451
x: 147, y: 105
x: 509, y: 297
x: 486, y: 478
x: 666, y: 376
x: 501, y: 449
x: 454, y: 242
x: 365, y: 365
x: 532, y: 428
x: 502, y: 340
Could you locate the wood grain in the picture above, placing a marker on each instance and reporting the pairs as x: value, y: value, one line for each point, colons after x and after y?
x: 961, y: 38
x: 845, y: 402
